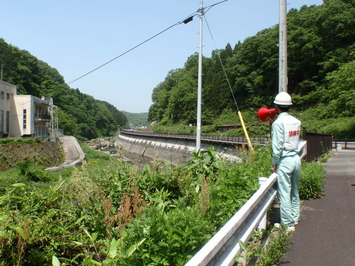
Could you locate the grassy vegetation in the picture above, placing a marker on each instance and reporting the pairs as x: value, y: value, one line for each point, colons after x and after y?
x: 19, y: 140
x: 311, y: 181
x: 265, y: 247
x: 34, y: 151
x: 110, y: 212
x: 313, y: 120
x: 341, y: 127
x: 228, y: 117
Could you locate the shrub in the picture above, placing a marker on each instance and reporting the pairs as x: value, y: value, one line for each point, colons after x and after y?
x: 172, y: 236
x: 33, y: 173
x: 20, y: 141
x: 311, y: 180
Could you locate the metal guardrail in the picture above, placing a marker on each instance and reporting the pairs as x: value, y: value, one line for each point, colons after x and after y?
x: 217, y: 139
x: 344, y: 144
x: 224, y: 246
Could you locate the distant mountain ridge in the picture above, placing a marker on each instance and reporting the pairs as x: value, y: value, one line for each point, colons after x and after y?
x: 137, y: 119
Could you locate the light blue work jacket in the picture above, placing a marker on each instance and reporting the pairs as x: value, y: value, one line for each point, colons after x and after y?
x: 285, y: 137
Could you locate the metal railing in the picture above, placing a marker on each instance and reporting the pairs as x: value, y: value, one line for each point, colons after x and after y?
x: 224, y: 246
x: 344, y: 144
x: 218, y: 139
x: 42, y: 116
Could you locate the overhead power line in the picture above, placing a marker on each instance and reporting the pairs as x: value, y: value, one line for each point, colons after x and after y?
x: 222, y: 65
x: 183, y: 21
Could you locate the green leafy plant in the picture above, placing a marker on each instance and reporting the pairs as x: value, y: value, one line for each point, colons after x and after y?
x: 33, y: 173
x: 275, y: 247
x: 311, y: 180
x: 251, y: 250
x: 107, y: 212
x: 205, y: 163
x: 171, y: 235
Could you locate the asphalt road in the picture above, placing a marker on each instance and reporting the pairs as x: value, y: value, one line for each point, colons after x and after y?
x: 326, y: 232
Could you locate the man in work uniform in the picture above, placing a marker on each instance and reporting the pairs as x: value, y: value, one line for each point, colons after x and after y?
x: 286, y: 161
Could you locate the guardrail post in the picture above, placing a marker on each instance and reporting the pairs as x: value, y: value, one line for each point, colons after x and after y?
x: 263, y: 221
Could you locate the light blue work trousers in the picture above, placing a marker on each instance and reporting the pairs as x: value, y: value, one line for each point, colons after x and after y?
x: 288, y: 177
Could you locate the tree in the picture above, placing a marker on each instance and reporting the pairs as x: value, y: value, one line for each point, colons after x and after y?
x: 320, y: 42
x: 79, y: 114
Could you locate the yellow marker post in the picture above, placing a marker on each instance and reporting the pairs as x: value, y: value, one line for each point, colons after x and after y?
x: 246, y: 132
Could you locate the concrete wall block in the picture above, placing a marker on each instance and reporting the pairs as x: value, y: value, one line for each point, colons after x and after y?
x: 171, y: 150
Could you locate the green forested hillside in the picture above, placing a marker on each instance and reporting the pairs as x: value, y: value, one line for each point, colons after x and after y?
x: 137, y: 119
x: 79, y: 114
x: 321, y: 79
x: 321, y: 76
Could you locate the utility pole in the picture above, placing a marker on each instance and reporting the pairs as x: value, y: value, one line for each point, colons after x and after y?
x: 199, y: 85
x: 283, y: 80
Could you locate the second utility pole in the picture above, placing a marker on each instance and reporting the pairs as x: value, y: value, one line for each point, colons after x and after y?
x: 199, y: 85
x: 283, y: 80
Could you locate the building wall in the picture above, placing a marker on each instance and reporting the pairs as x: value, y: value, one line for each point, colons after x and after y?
x: 32, y: 116
x: 23, y: 114
x: 7, y: 93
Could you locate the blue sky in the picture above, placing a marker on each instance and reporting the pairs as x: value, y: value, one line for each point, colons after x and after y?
x: 76, y: 36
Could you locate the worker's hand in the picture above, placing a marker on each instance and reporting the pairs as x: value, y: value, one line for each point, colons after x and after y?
x: 273, y: 168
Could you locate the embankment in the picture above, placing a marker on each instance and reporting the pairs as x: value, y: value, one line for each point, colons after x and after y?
x: 174, y: 150
x: 43, y: 153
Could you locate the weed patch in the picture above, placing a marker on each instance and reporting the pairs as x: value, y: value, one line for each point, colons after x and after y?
x: 39, y: 153
x: 311, y: 180
x: 108, y: 211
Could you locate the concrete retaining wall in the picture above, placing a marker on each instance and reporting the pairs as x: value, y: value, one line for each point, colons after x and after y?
x: 171, y: 150
x: 74, y: 155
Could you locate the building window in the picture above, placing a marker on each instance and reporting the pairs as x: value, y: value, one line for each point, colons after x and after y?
x: 7, y: 96
x: 2, y: 95
x: 7, y: 123
x: 1, y: 121
x: 24, y: 117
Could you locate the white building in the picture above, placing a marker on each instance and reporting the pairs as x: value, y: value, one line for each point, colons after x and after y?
x: 25, y: 115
